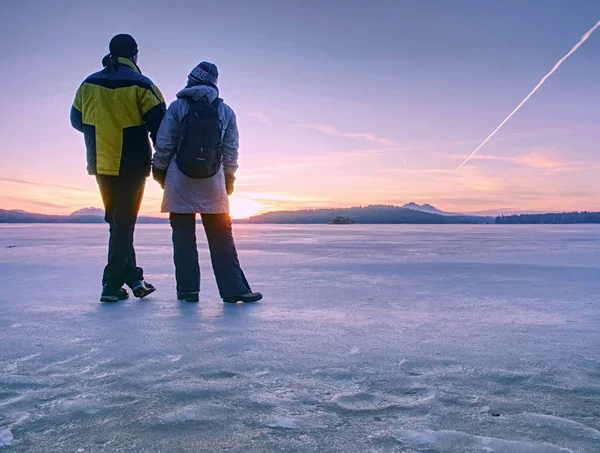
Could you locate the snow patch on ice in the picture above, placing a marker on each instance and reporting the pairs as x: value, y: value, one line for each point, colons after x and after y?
x: 557, y: 424
x: 62, y: 362
x: 181, y: 415
x: 286, y: 423
x: 6, y: 438
x: 199, y: 413
x: 399, y: 398
x: 14, y: 365
x: 451, y: 441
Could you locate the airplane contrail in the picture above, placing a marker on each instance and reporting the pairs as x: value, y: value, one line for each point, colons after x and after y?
x: 583, y: 39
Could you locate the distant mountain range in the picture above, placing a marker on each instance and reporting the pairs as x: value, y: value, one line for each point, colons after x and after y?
x: 411, y: 213
x: 424, y: 208
x: 89, y: 212
x: 489, y: 213
x: 87, y: 215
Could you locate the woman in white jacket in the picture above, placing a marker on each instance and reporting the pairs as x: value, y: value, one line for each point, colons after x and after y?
x: 185, y: 196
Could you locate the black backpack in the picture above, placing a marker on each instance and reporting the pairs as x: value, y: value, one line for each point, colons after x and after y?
x: 200, y: 152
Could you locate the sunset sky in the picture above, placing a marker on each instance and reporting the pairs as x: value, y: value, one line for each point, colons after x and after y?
x: 338, y: 103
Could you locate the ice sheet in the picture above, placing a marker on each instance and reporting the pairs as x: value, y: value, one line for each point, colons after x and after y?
x: 369, y: 339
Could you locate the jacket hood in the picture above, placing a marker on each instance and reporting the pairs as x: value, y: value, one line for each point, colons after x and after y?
x: 196, y: 93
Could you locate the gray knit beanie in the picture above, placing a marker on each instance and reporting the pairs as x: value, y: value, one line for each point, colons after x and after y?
x: 205, y: 73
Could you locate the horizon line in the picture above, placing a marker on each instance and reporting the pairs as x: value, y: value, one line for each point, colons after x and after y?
x: 485, y: 213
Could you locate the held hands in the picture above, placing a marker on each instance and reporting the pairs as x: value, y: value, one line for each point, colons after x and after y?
x: 159, y: 176
x: 229, y: 183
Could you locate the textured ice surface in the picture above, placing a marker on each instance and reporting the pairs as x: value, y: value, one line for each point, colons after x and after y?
x: 449, y: 339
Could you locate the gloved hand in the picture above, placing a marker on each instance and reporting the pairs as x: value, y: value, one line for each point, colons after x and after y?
x: 229, y: 183
x: 159, y: 176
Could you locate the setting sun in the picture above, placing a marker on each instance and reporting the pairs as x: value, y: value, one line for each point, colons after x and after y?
x: 242, y: 208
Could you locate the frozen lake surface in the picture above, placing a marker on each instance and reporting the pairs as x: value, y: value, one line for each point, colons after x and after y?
x: 432, y: 339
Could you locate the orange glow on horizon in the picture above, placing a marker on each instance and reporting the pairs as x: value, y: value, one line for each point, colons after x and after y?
x: 242, y: 208
x: 471, y: 191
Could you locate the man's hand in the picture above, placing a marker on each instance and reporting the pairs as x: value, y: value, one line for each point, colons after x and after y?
x: 159, y: 176
x: 229, y: 183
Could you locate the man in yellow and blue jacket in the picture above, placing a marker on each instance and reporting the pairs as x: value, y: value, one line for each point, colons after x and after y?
x: 115, y: 109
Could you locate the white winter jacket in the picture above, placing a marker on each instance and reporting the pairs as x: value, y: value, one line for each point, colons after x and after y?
x: 182, y: 194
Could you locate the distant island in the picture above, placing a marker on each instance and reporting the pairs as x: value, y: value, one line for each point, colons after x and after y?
x: 339, y: 220
x: 411, y: 213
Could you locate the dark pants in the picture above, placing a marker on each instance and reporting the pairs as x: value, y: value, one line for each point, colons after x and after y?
x: 122, y: 197
x: 226, y: 266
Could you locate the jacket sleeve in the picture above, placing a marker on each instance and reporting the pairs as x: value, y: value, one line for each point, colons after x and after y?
x: 167, y: 139
x: 231, y: 145
x: 76, y: 115
x: 152, y: 105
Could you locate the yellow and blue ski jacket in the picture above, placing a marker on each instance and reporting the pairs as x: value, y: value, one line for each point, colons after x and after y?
x: 115, y: 109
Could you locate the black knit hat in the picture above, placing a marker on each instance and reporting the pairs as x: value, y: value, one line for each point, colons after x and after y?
x: 123, y: 46
x: 120, y: 46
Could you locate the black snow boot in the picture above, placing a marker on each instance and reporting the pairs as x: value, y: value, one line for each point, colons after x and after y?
x: 142, y: 289
x: 188, y: 297
x: 110, y: 295
x: 246, y: 298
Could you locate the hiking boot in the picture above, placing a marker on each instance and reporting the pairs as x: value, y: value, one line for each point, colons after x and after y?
x: 188, y: 297
x: 110, y: 296
x: 142, y: 289
x: 246, y: 298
